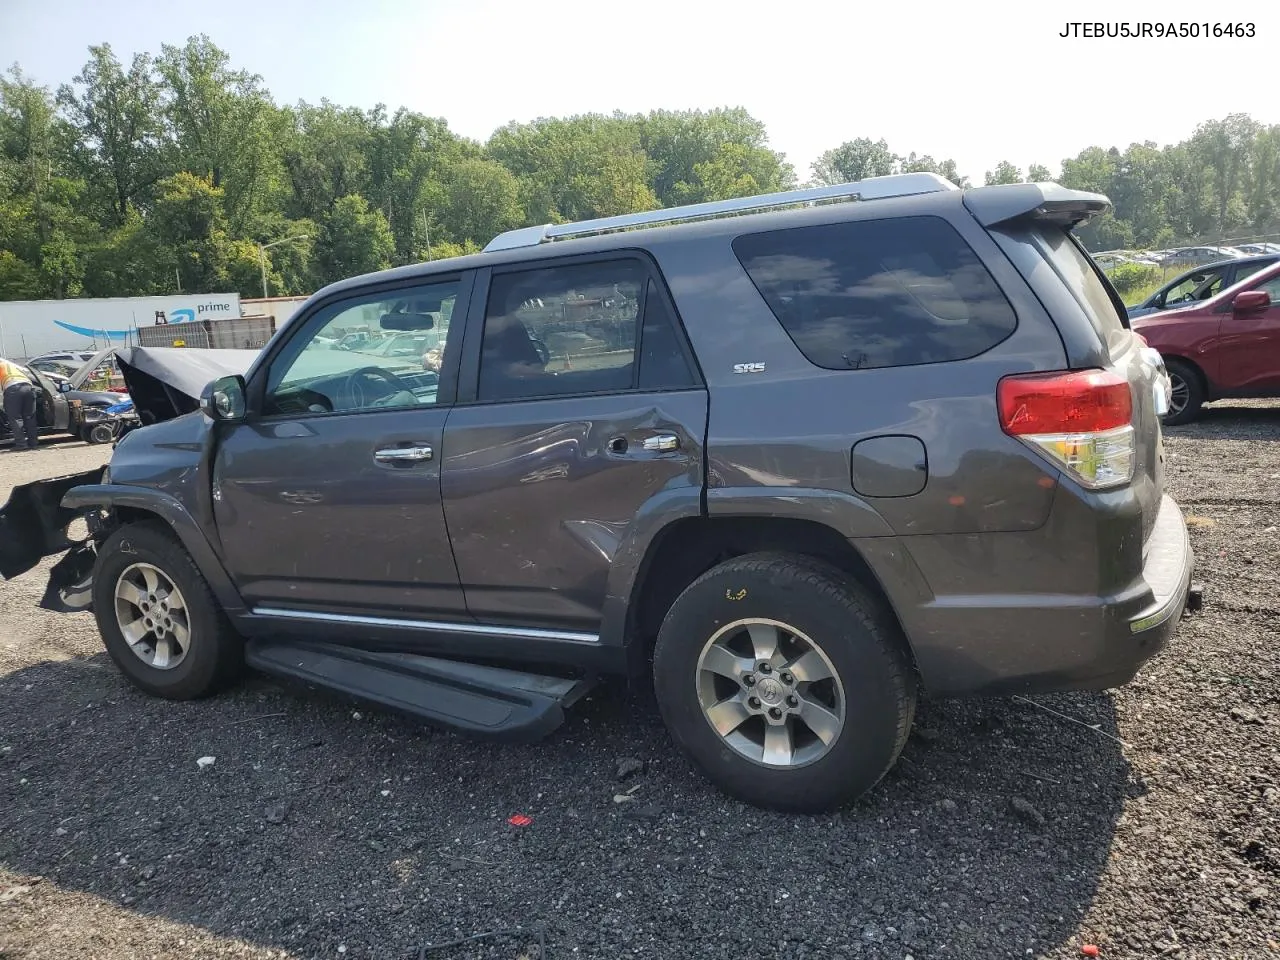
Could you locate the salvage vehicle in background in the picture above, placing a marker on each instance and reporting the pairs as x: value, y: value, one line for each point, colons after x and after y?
x: 792, y: 458
x: 1227, y: 346
x: 61, y: 407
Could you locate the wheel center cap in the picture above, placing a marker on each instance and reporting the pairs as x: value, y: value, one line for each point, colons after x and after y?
x: 769, y: 690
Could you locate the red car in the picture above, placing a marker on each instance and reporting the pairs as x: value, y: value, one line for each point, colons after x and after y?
x: 1226, y: 346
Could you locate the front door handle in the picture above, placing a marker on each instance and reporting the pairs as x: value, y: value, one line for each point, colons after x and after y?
x: 661, y: 443
x: 413, y: 454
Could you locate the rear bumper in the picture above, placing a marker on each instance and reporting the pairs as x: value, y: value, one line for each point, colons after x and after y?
x: 1001, y: 644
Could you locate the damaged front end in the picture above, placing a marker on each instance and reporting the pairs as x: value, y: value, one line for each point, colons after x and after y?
x: 164, y: 384
x: 35, y: 525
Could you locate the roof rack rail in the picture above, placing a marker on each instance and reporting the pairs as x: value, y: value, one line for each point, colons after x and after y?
x: 873, y: 188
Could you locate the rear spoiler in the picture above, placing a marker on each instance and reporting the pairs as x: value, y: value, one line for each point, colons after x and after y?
x: 1006, y: 203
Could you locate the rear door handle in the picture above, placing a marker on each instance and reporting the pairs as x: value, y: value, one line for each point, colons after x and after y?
x: 413, y: 454
x: 662, y: 442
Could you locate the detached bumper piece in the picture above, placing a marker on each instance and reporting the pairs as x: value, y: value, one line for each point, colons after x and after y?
x: 489, y: 701
x: 33, y: 524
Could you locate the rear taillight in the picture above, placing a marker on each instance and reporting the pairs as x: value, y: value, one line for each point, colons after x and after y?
x: 1081, y: 421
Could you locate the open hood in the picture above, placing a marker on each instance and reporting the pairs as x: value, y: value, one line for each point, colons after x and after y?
x: 85, y: 371
x: 166, y: 382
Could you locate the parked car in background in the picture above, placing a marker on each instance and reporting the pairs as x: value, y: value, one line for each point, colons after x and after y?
x: 1110, y: 261
x: 73, y: 357
x: 62, y: 387
x: 1254, y: 249
x: 1201, y: 283
x: 1199, y: 255
x: 1225, y: 346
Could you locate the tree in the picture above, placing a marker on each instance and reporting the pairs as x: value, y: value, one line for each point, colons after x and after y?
x: 353, y: 240
x: 576, y: 168
x: 222, y: 123
x: 1005, y: 172
x: 481, y: 200
x: 189, y: 228
x: 1222, y: 146
x: 130, y: 261
x: 120, y: 144
x: 709, y: 155
x: 926, y: 164
x: 1038, y: 174
x: 412, y: 158
x: 855, y: 160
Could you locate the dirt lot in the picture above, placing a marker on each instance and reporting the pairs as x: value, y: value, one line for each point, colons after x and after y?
x: 326, y: 830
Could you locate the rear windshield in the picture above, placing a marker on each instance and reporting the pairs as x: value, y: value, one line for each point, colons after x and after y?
x: 1098, y: 298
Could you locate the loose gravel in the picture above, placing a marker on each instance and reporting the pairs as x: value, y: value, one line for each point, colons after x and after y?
x: 318, y: 828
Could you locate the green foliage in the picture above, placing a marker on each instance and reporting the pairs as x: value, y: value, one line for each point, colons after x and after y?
x: 1005, y: 172
x: 119, y: 140
x: 354, y: 239
x: 481, y: 199
x: 855, y: 160
x: 862, y: 158
x: 1131, y: 277
x: 169, y: 172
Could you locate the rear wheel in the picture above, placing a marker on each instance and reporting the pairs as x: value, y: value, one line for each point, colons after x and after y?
x: 785, y: 682
x: 157, y: 617
x: 1187, y: 394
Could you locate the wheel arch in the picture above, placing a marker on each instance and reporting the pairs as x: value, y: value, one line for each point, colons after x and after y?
x: 141, y: 504
x: 686, y: 548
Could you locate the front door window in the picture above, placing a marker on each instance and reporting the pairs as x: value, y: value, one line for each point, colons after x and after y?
x: 380, y: 353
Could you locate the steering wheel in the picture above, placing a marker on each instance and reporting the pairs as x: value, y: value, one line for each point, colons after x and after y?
x: 356, y: 391
x: 540, y: 346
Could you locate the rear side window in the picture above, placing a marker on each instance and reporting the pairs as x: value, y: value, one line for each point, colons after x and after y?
x: 878, y: 293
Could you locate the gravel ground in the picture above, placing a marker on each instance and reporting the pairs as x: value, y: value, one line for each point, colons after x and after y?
x: 324, y: 829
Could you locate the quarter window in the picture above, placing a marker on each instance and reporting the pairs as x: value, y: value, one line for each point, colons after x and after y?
x: 878, y: 293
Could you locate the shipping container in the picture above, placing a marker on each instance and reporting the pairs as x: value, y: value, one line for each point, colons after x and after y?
x: 233, y: 333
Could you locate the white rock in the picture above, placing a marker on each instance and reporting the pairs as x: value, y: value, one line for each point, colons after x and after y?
x: 205, y: 762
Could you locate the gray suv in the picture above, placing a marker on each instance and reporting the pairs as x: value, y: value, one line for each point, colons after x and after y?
x: 797, y: 458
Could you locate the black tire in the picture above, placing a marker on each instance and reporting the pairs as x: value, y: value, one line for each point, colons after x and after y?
x: 859, y: 638
x: 215, y: 656
x: 1185, y: 374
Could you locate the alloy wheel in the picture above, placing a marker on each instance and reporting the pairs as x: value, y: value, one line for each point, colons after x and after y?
x: 770, y: 693
x: 152, y: 616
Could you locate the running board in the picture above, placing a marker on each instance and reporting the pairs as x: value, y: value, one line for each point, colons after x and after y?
x: 484, y: 700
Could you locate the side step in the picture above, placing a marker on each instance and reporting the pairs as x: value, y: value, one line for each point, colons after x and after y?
x: 483, y: 700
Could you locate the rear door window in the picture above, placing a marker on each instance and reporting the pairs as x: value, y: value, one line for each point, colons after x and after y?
x: 878, y: 293
x: 1098, y: 299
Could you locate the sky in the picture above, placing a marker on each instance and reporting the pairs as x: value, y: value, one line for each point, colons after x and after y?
x: 980, y: 82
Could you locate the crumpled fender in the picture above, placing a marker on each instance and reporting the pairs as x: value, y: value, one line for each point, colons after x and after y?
x: 34, y: 521
x: 168, y: 509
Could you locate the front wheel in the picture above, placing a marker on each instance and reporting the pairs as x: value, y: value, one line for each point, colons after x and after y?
x: 785, y: 681
x: 157, y: 617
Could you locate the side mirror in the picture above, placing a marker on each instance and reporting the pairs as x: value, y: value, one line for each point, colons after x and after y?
x: 224, y: 399
x: 1251, y: 301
